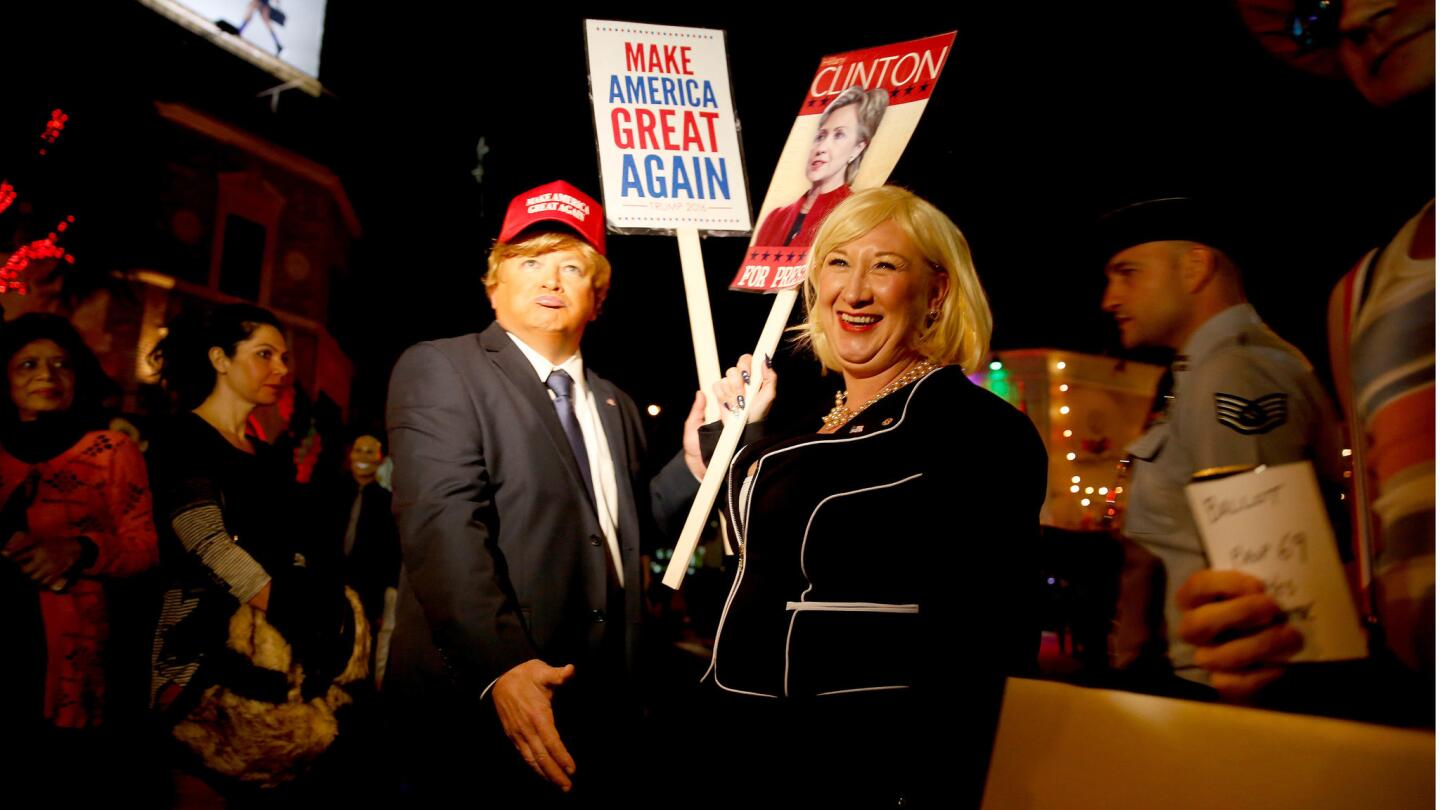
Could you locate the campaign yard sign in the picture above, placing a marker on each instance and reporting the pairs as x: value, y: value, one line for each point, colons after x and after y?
x: 859, y: 112
x: 666, y: 129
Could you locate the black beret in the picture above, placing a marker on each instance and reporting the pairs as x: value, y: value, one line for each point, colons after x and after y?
x: 1164, y: 219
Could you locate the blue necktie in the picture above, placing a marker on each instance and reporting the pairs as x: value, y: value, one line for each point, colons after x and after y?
x: 561, y: 385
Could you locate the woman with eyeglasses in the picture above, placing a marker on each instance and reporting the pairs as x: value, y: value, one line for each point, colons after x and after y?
x: 76, y: 516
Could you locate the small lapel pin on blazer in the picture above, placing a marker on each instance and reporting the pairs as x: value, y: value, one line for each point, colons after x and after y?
x: 610, y: 401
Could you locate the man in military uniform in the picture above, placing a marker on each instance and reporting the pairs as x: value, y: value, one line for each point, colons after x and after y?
x: 1382, y: 347
x: 1242, y: 396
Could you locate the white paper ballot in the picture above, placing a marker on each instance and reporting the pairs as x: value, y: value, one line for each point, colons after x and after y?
x: 1271, y: 524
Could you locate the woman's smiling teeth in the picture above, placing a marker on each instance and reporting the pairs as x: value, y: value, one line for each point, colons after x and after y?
x: 857, y: 321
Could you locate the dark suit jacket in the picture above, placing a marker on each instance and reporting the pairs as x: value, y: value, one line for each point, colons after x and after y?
x: 373, y: 563
x: 504, y: 559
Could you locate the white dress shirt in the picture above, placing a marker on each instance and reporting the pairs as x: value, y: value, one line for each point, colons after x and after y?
x: 597, y: 447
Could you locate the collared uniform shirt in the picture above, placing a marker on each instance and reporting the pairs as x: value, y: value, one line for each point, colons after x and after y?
x: 1243, y: 396
x: 597, y: 447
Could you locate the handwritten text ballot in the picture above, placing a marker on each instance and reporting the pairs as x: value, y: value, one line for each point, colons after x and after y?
x: 1271, y: 524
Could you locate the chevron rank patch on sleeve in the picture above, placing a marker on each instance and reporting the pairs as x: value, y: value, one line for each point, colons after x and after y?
x: 1251, y: 416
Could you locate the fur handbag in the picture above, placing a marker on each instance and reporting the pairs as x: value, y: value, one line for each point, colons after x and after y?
x: 264, y: 743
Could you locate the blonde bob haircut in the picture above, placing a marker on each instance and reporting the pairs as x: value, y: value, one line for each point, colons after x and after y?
x: 960, y: 333
x: 538, y: 244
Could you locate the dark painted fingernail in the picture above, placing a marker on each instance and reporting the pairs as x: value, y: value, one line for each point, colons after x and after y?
x: 767, y: 361
x: 741, y: 401
x: 745, y: 375
x: 726, y: 405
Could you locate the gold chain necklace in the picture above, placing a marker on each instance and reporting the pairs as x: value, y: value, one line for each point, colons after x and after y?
x: 840, y: 414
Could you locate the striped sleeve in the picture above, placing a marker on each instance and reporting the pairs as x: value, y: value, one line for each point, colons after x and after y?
x: 201, y: 530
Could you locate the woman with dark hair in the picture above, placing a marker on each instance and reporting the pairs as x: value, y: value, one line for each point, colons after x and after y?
x: 841, y: 138
x: 241, y: 565
x: 76, y: 512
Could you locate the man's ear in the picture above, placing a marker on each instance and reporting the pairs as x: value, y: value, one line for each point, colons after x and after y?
x: 599, y: 303
x: 490, y: 280
x: 1198, y: 266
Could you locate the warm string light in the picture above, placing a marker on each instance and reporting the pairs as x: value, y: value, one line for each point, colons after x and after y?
x: 39, y: 250
x: 1076, y: 487
x: 53, y: 127
x: 1068, y: 433
x: 1064, y: 410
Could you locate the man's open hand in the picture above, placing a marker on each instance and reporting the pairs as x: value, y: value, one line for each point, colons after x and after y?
x: 522, y: 699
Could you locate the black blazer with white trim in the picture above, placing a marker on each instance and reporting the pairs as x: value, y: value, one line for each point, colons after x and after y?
x: 876, y: 557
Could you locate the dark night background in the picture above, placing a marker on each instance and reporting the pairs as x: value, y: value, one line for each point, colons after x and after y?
x: 1045, y: 118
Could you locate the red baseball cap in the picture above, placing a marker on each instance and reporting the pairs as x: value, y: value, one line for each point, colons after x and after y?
x: 556, y: 202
